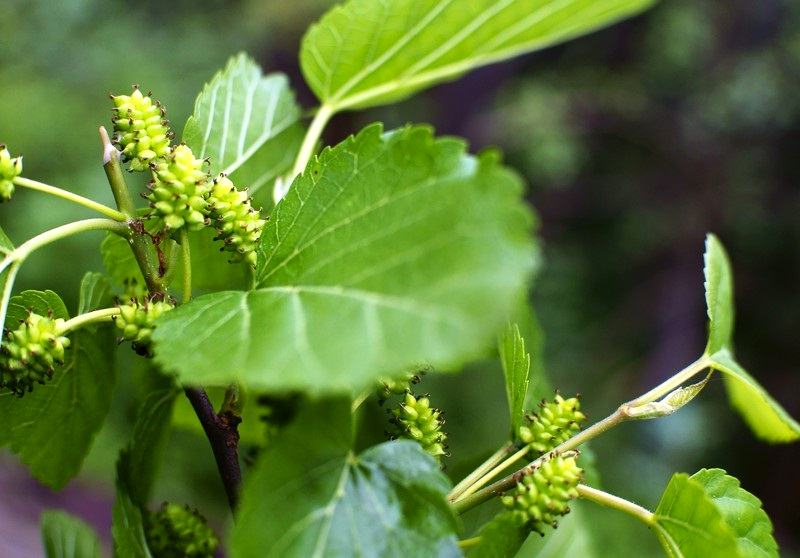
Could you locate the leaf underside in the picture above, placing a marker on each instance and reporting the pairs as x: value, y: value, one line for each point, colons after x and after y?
x: 394, y: 49
x: 389, y: 250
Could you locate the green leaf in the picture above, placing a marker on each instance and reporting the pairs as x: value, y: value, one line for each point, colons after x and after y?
x: 765, y: 416
x: 516, y: 366
x: 420, y: 249
x: 502, y: 537
x: 689, y: 524
x: 366, y: 53
x: 309, y: 495
x: 244, y: 122
x: 140, y: 462
x: 127, y: 528
x: 719, y: 295
x: 709, y: 515
x: 65, y: 536
x: 742, y: 513
x: 52, y: 428
x: 572, y: 538
x: 119, y: 261
x: 95, y: 293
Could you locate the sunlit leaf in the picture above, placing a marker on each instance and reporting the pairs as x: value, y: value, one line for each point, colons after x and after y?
x: 243, y: 122
x: 516, y: 364
x: 765, y: 416
x: 52, y: 428
x: 709, y: 515
x: 389, y: 250
x: 394, y: 49
x: 65, y: 536
x: 310, y: 495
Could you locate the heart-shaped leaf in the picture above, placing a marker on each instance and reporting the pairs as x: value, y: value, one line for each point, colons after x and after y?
x: 397, y: 48
x: 390, y: 250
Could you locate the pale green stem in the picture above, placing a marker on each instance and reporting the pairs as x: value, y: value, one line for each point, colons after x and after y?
x: 313, y: 134
x: 642, y: 514
x: 360, y: 399
x: 58, y: 192
x: 469, y: 543
x: 7, y: 288
x: 494, y: 472
x: 187, y: 265
x: 93, y: 317
x: 619, y: 416
x: 116, y: 177
x: 480, y: 473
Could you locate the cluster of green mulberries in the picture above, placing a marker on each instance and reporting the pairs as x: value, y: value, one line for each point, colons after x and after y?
x: 555, y: 423
x: 10, y: 167
x: 136, y: 320
x: 179, y: 189
x: 175, y: 531
x: 544, y: 492
x: 30, y: 352
x: 415, y: 419
x: 238, y: 224
x: 141, y: 131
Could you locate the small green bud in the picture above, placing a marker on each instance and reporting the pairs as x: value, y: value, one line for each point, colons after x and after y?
x: 10, y: 168
x: 141, y: 131
x: 30, y: 353
x: 136, y: 320
x: 238, y: 224
x: 397, y: 386
x: 176, y: 531
x: 544, y: 492
x: 555, y: 423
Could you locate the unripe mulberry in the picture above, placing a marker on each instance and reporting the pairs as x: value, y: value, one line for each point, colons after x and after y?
x: 136, y: 320
x: 178, y: 190
x: 10, y: 168
x: 415, y: 419
x: 396, y: 386
x: 238, y: 224
x: 544, y: 492
x: 555, y: 423
x: 141, y: 131
x: 176, y: 531
x: 30, y: 353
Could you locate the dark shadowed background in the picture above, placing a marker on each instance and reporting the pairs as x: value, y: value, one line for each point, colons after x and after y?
x: 635, y: 142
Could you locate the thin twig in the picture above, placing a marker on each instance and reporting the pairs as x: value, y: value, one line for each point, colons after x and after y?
x: 223, y: 435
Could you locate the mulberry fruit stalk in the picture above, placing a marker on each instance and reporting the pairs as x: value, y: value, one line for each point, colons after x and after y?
x: 543, y: 493
x: 178, y: 191
x: 238, y: 224
x: 30, y: 353
x: 10, y: 168
x: 176, y: 531
x: 141, y: 131
x: 555, y: 423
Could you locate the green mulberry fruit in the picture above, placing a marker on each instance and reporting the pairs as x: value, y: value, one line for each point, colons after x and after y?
x: 10, y: 168
x: 415, y: 419
x: 178, y: 191
x: 543, y: 492
x: 141, y: 131
x: 397, y: 386
x: 136, y: 320
x: 238, y: 224
x: 30, y: 353
x: 176, y: 531
x: 555, y: 423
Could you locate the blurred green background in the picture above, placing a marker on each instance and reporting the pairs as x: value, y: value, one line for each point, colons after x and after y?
x: 635, y: 142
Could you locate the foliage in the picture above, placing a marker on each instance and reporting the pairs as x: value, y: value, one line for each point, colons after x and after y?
x: 388, y: 253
